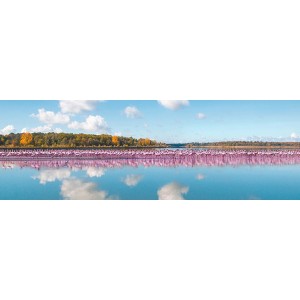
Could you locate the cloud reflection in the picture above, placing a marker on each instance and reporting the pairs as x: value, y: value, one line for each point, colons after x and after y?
x: 172, y: 191
x: 132, y: 180
x: 76, y: 189
x: 51, y: 175
x: 200, y: 176
x: 95, y: 172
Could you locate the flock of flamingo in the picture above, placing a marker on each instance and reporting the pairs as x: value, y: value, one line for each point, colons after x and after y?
x: 75, y: 158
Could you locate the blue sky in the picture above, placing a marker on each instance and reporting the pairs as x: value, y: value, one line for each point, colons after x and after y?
x: 166, y: 121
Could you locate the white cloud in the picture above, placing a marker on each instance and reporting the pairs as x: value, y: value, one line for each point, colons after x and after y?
x: 92, y: 123
x: 58, y: 130
x: 51, y: 175
x: 172, y: 191
x: 200, y: 116
x: 294, y: 135
x: 132, y: 112
x: 43, y: 129
x: 173, y: 104
x: 200, y: 176
x: 118, y: 133
x: 95, y: 172
x: 76, y: 189
x: 132, y: 180
x: 50, y: 117
x: 77, y: 106
x: 7, y: 129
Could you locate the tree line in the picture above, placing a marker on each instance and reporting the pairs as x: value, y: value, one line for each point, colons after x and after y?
x: 72, y: 140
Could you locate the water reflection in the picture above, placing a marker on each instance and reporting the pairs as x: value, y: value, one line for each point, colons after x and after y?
x: 94, y: 171
x: 221, y: 176
x: 76, y: 189
x: 172, y: 191
x: 51, y: 175
x: 132, y: 180
x: 200, y: 176
x: 96, y: 167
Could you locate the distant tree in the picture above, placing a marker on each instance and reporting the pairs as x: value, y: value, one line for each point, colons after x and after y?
x: 115, y: 140
x: 51, y: 139
x: 26, y: 138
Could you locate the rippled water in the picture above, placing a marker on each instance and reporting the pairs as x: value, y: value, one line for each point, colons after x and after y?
x: 207, y: 177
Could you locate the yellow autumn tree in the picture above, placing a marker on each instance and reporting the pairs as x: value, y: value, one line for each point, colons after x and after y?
x: 115, y: 140
x: 141, y: 142
x: 26, y: 138
x: 147, y: 142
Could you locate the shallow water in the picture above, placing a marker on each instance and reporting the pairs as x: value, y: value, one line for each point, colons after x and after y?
x: 262, y: 178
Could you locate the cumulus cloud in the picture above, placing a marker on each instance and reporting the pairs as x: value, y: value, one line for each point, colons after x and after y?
x: 294, y: 135
x: 77, y: 106
x: 43, y: 129
x: 57, y: 130
x: 173, y: 104
x: 7, y: 129
x: 92, y: 123
x: 200, y: 116
x: 51, y: 175
x: 95, y: 172
x: 50, y: 117
x: 172, y: 191
x: 132, y: 112
x: 76, y: 189
x: 132, y: 180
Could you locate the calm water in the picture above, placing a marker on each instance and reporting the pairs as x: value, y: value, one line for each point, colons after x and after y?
x: 146, y: 180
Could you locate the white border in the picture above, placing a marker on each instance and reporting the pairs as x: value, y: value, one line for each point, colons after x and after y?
x: 163, y: 49
x: 160, y: 49
x: 149, y: 250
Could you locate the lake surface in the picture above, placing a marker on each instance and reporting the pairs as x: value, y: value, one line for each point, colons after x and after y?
x: 213, y: 178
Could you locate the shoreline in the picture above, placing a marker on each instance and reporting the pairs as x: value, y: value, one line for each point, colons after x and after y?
x: 244, y: 147
x: 177, y: 160
x: 81, y: 148
x: 145, y: 148
x: 99, y: 154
